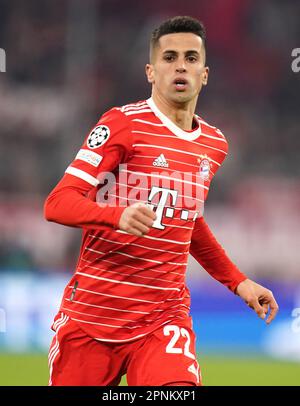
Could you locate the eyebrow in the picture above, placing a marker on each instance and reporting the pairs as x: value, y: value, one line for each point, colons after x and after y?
x: 189, y: 52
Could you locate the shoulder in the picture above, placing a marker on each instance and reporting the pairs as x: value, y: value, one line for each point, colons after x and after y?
x: 135, y: 108
x: 125, y: 113
x: 211, y: 130
x: 213, y: 136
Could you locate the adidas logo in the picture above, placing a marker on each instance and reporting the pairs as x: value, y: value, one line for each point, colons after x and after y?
x: 161, y: 161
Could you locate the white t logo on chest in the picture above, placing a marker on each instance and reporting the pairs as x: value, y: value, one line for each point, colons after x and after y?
x: 169, y: 212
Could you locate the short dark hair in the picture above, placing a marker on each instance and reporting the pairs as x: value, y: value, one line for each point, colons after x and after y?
x: 175, y: 25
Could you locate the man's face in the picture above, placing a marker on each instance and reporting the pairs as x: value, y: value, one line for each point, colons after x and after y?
x: 177, y: 70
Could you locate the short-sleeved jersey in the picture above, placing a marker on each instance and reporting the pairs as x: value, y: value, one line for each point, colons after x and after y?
x: 124, y: 286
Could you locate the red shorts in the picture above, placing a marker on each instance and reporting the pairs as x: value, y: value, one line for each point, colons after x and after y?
x: 163, y: 357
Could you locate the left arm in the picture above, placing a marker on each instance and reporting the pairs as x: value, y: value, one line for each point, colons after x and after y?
x: 213, y: 258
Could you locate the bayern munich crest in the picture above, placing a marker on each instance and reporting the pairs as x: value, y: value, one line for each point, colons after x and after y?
x: 98, y: 136
x: 204, y: 167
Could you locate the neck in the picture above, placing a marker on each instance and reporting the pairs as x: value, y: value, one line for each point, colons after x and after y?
x: 180, y: 114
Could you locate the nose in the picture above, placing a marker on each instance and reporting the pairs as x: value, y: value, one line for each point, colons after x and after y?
x: 180, y: 69
x: 180, y: 66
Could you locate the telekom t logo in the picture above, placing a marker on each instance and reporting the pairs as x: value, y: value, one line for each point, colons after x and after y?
x: 161, y: 204
x: 162, y: 210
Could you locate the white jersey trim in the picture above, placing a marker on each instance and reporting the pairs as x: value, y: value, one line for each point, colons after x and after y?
x: 125, y: 283
x: 188, y: 136
x: 138, y: 245
x: 54, y: 351
x: 141, y: 258
x: 173, y: 149
x: 194, y: 142
x: 118, y: 297
x: 130, y: 113
x: 131, y: 338
x: 97, y: 315
x: 130, y: 275
x: 148, y: 122
x: 130, y: 266
x: 105, y: 307
x: 156, y: 238
x: 82, y: 175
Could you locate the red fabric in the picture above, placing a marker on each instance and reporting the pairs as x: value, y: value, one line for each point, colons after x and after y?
x: 125, y: 287
x: 115, y: 150
x: 163, y: 357
x: 68, y: 204
x: 213, y: 258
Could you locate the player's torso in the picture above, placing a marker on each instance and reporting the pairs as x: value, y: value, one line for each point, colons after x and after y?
x: 171, y: 171
x: 168, y: 169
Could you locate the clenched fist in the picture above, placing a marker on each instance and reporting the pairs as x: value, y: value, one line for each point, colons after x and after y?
x: 137, y: 219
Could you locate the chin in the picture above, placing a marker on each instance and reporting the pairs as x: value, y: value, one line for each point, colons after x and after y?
x: 181, y: 98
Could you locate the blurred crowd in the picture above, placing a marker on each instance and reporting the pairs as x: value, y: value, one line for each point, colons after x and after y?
x: 68, y: 61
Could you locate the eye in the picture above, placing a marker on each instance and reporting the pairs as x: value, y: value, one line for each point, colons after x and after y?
x: 169, y: 58
x: 191, y: 58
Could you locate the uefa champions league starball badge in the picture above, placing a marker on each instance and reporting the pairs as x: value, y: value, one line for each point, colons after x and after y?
x: 98, y: 136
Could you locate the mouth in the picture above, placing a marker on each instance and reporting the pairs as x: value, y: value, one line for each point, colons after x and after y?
x: 180, y: 84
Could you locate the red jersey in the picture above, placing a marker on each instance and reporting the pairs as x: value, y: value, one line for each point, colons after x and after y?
x: 124, y: 286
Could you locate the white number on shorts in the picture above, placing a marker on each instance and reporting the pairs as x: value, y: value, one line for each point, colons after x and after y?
x: 171, y: 349
x: 186, y: 334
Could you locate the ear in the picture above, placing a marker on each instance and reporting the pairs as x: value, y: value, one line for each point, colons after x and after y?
x: 205, y: 76
x: 149, y: 73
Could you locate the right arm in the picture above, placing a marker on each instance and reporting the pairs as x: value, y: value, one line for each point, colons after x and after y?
x: 69, y: 202
x: 69, y: 205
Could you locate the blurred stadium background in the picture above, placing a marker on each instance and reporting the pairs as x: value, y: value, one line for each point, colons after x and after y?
x: 70, y: 60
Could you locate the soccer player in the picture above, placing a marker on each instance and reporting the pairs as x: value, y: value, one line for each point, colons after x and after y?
x: 137, y: 188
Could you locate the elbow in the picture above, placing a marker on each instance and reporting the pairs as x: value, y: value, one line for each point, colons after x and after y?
x: 49, y: 212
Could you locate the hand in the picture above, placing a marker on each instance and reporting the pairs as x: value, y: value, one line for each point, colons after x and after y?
x: 260, y: 299
x: 137, y: 219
